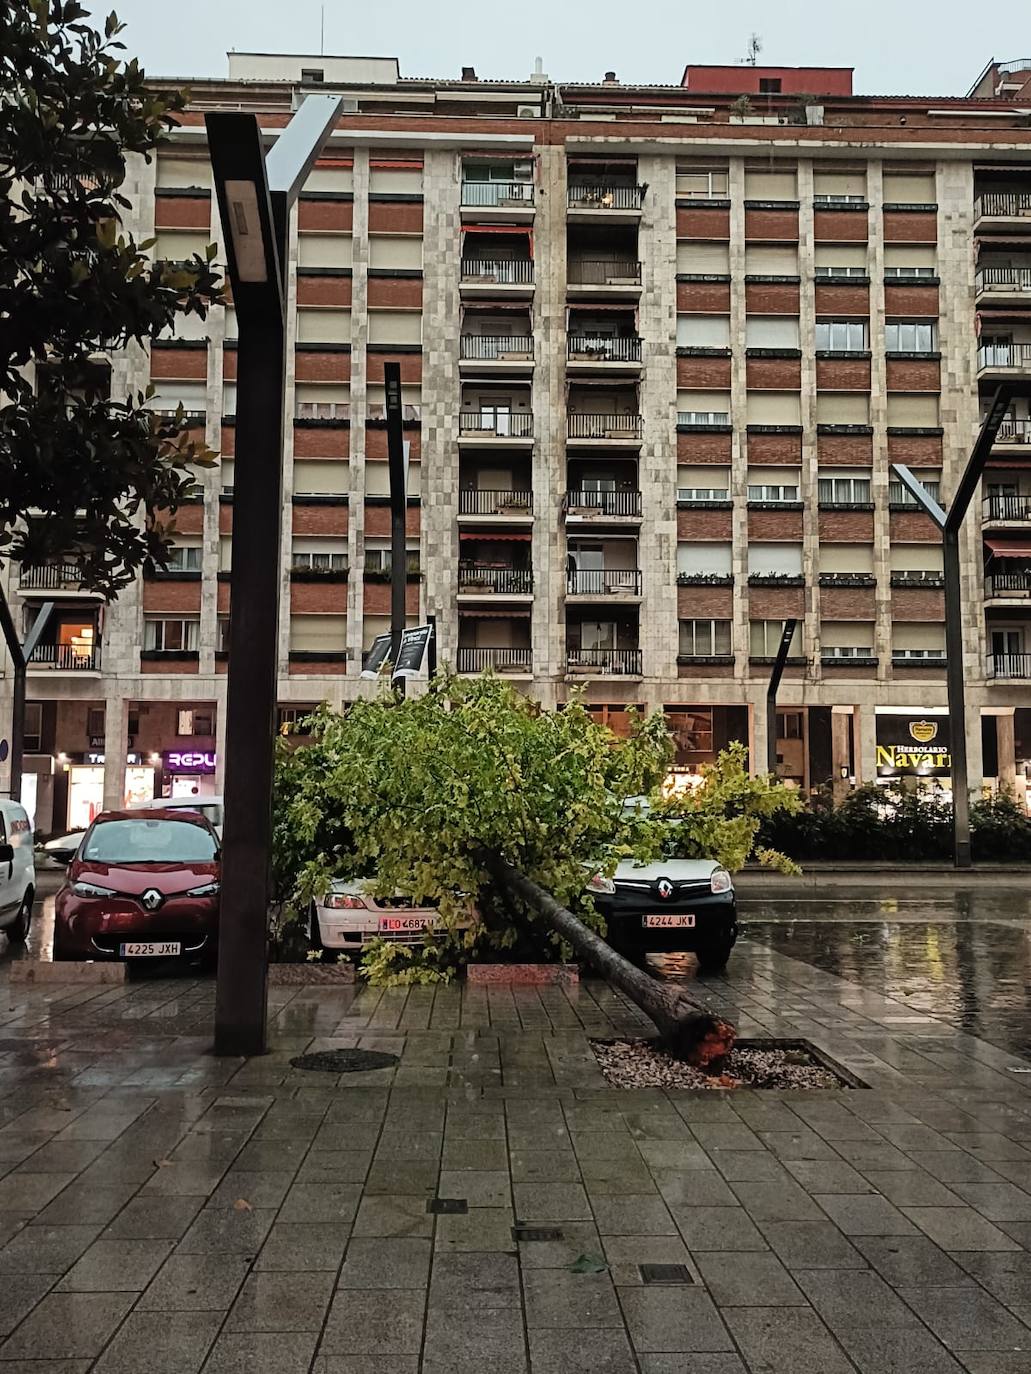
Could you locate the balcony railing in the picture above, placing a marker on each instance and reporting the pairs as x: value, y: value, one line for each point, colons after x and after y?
x: 1008, y: 584
x: 477, y: 501
x: 497, y: 193
x: 1004, y: 355
x: 1007, y: 508
x: 1009, y: 278
x: 603, y: 581
x: 1006, y: 204
x: 603, y: 272
x: 496, y: 347
x: 584, y: 426
x: 67, y: 658
x: 502, y: 424
x: 619, y: 662
x: 586, y: 348
x: 497, y: 660
x: 1008, y: 665
x: 605, y: 197
x: 50, y: 577
x: 322, y: 410
x: 1014, y: 432
x: 498, y: 271
x: 604, y: 502
x: 483, y: 577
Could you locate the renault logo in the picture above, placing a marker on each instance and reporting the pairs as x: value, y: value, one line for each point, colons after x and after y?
x: 664, y: 888
x: 152, y: 899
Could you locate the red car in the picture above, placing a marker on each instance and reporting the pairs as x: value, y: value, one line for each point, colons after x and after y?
x: 142, y: 884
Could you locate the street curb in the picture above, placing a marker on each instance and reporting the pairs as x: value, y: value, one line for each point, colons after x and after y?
x: 529, y: 974
x: 28, y: 971
x: 300, y: 975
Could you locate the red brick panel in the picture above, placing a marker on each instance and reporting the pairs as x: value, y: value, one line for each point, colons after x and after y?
x: 395, y: 217
x: 848, y: 603
x: 395, y: 293
x: 921, y: 450
x: 704, y: 448
x: 776, y: 449
x: 182, y: 212
x: 376, y: 441
x: 842, y: 300
x: 910, y: 300
x: 705, y: 670
x: 771, y: 298
x: 228, y: 440
x: 223, y: 598
x: 184, y: 363
x: 165, y: 668
x: 917, y: 603
x: 377, y: 598
x: 705, y: 297
x: 320, y: 520
x: 705, y: 524
x: 335, y: 291
x: 325, y: 216
x: 841, y: 226
x: 775, y: 524
x: 704, y: 372
x: 846, y: 526
x: 772, y: 225
x: 322, y: 367
x: 845, y: 374
x: 703, y: 222
x: 774, y: 374
x: 377, y: 522
x: 333, y: 668
x: 775, y: 603
x: 225, y: 518
x: 912, y: 527
x: 327, y: 597
x: 699, y: 603
x: 171, y: 596
x: 410, y: 364
x: 189, y: 520
x: 844, y: 450
x: 839, y: 671
x: 903, y: 226
x: 229, y: 365
x: 321, y: 443
x: 916, y: 375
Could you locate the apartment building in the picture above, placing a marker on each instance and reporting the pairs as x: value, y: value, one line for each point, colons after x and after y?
x: 660, y: 346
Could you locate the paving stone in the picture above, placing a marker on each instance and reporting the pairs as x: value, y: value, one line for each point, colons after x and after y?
x: 959, y: 1228
x: 28, y: 1192
x: 700, y: 1364
x: 67, y: 1326
x: 897, y: 1350
x: 479, y: 1187
x: 321, y: 1202
x: 19, y: 1294
x: 334, y: 1166
x: 559, y: 1298
x: 632, y: 1214
x: 912, y: 1188
x: 272, y: 1353
x: 591, y: 1352
x: 675, y: 1154
x: 366, y: 1364
x: 904, y: 1260
x: 996, y: 1201
x: 748, y: 1280
x: 258, y: 1189
x: 811, y: 1245
x: 466, y: 1284
x: 609, y: 1177
x: 864, y: 1215
x: 719, y: 1228
x: 374, y: 1322
x: 1006, y: 1275
x: 409, y: 1176
x: 475, y: 1154
x: 556, y: 1201
x: 967, y: 1318
x: 116, y: 1266
x: 828, y: 1176
x: 673, y: 1319
x: 398, y: 1262
x: 954, y: 1166
x: 40, y: 1249
x: 849, y: 1298
x: 605, y: 1145
x: 290, y: 1246
x: 195, y: 1283
x: 626, y: 1254
x: 786, y: 1340
x: 781, y: 1201
x: 282, y: 1302
x: 482, y: 1228
x: 693, y: 1188
x: 577, y: 1238
x: 160, y: 1343
x: 226, y: 1231
x: 794, y: 1145
x: 492, y: 1342
x: 552, y: 1166
x: 725, y: 1136
x: 749, y: 1166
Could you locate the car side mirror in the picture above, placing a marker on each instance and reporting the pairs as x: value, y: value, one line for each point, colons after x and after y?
x: 62, y: 856
x: 6, y: 853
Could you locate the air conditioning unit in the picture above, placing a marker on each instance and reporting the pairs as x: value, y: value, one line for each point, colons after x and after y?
x: 528, y: 111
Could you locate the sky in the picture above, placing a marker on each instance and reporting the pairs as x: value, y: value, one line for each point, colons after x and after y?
x: 897, y: 48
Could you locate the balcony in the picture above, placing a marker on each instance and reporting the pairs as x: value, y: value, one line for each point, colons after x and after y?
x: 501, y: 427
x: 497, y: 660
x: 604, y: 662
x: 603, y: 278
x: 508, y: 200
x: 1008, y: 666
x: 1006, y: 510
x: 1003, y: 210
x: 619, y: 583
x: 1003, y: 285
x: 1004, y: 359
x: 605, y: 428
x: 1013, y: 432
x: 486, y: 579
x: 588, y: 353
x: 604, y: 202
x: 496, y: 353
x: 497, y: 277
x: 65, y: 658
x: 323, y: 412
x: 592, y: 505
x: 496, y: 506
x: 1014, y: 586
x: 54, y: 577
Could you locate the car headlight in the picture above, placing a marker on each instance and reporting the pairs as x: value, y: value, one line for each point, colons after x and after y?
x: 92, y: 890
x: 720, y: 880
x: 599, y: 883
x: 345, y: 901
x: 205, y: 890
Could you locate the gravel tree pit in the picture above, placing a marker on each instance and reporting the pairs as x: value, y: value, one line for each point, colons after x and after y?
x: 751, y: 1064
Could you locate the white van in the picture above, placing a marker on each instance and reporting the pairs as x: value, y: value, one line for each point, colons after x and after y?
x: 17, y: 871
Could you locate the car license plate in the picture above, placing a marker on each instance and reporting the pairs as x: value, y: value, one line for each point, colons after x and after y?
x: 401, y: 923
x: 668, y: 920
x: 150, y: 949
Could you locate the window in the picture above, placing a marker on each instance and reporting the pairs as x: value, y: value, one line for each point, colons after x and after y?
x: 398, y: 251
x: 95, y: 722
x: 700, y: 259
x: 703, y: 331
x: 763, y: 184
x: 769, y: 85
x: 318, y: 633
x: 790, y: 725
x: 772, y: 492
x: 845, y: 560
x: 842, y: 408
x: 910, y: 336
x: 846, y: 270
x: 704, y: 638
x: 764, y: 639
x: 703, y: 417
x: 497, y: 171
x: 773, y: 408
x: 324, y: 250
x: 831, y: 198
x: 163, y: 636
x: 703, y: 408
x: 184, y: 558
x: 702, y: 183
x: 846, y: 639
x: 842, y: 336
x: 195, y: 721
x: 898, y: 495
x: 771, y: 260
x: 378, y: 559
x: 321, y: 325
x: 312, y: 75
x: 908, y: 260
x: 32, y: 738
x: 841, y: 260
x: 909, y: 271
x: 844, y: 491
x: 288, y: 718
x: 915, y: 641
x: 318, y: 562
x: 916, y: 410
x: 222, y: 635
x: 703, y: 483
x: 321, y: 476
x: 909, y: 188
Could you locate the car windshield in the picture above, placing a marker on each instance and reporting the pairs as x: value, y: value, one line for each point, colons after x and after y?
x: 149, y: 842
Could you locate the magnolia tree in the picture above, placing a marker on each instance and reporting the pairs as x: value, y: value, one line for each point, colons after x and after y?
x: 474, y: 794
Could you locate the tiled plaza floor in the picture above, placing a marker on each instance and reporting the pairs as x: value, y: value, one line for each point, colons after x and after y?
x: 161, y: 1210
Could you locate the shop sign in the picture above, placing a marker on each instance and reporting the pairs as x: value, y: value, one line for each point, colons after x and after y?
x: 913, y: 746
x: 189, y: 760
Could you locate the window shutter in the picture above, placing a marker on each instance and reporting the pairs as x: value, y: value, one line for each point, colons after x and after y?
x: 395, y: 251
x: 325, y: 250
x: 705, y: 557
x: 771, y: 186
x: 907, y: 189
x: 395, y: 327
x: 323, y: 326
x: 310, y: 633
x: 917, y: 411
x: 777, y: 557
x: 921, y: 635
x: 845, y: 558
x: 320, y: 477
x: 703, y: 331
x: 916, y: 558
x: 847, y: 634
x: 181, y: 173
x: 842, y: 408
x: 774, y: 408
x: 839, y: 255
x: 771, y: 260
x: 695, y: 257
x: 771, y: 331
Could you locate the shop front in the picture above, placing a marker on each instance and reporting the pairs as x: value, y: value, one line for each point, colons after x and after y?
x: 699, y: 734
x: 913, y: 749
x: 188, y: 773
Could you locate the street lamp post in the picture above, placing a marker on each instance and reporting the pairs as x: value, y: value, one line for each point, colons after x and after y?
x: 950, y: 524
x: 255, y: 195
x: 776, y: 673
x: 20, y: 653
x: 398, y: 475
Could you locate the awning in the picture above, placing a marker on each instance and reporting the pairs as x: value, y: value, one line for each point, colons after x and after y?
x: 1007, y: 549
x: 492, y: 538
x: 494, y: 615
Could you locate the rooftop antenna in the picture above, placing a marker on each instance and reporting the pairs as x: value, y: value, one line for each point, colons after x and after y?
x: 755, y: 47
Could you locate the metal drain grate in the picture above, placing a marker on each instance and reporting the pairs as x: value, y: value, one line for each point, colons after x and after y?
x: 536, y: 1233
x: 344, y: 1061
x: 447, y: 1206
x: 665, y: 1273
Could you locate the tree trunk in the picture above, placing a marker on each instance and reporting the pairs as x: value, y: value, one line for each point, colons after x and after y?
x: 686, y: 1032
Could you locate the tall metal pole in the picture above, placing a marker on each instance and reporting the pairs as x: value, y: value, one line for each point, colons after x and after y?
x: 776, y: 673
x: 20, y: 653
x: 398, y: 511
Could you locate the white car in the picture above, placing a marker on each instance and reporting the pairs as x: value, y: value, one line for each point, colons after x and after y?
x: 349, y: 916
x: 17, y: 871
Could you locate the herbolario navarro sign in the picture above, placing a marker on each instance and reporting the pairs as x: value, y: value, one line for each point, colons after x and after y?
x: 913, y: 746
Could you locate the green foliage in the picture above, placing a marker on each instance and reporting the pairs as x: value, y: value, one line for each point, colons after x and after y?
x: 105, y: 475
x: 721, y: 818
x: 388, y: 965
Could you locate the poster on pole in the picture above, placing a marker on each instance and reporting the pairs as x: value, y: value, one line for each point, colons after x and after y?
x: 376, y: 657
x: 412, y: 654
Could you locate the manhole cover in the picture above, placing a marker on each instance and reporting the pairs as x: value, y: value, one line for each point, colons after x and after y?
x: 665, y: 1273
x: 526, y: 1233
x: 344, y: 1061
x: 445, y: 1206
